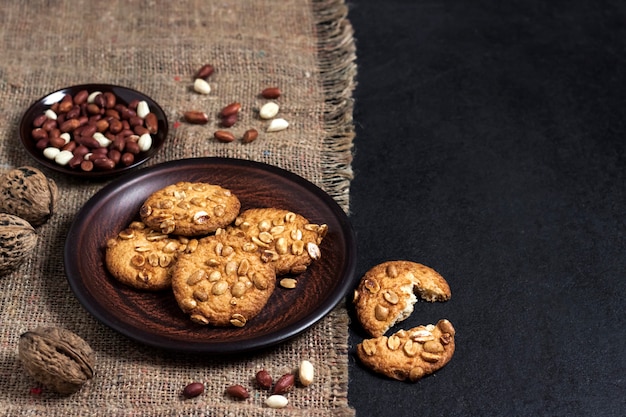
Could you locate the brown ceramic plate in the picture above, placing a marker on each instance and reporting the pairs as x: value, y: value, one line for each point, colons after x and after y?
x: 154, y: 318
x: 124, y: 95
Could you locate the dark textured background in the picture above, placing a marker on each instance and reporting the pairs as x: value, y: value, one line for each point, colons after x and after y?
x: 490, y: 145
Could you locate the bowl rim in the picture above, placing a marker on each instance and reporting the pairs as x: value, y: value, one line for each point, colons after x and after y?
x: 45, y: 101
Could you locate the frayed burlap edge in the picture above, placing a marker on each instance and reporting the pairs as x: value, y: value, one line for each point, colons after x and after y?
x: 337, y: 61
x: 337, y: 57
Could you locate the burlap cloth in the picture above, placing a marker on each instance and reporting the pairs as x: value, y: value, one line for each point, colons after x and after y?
x: 303, y: 46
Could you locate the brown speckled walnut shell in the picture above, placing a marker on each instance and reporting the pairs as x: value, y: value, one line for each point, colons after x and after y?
x: 26, y: 192
x: 17, y: 241
x: 57, y: 358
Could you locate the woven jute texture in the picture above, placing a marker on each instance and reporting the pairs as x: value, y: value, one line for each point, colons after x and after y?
x: 303, y: 46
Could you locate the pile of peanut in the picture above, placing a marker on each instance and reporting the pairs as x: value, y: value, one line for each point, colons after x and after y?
x: 94, y: 131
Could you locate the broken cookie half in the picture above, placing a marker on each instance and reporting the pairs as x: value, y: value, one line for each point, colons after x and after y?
x: 410, y: 354
x: 388, y: 292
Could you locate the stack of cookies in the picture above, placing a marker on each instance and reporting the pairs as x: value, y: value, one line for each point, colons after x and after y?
x: 221, y: 263
x: 386, y: 295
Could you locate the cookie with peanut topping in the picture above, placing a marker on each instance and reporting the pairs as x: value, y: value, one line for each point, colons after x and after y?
x: 387, y: 293
x: 409, y: 354
x: 286, y: 240
x: 143, y: 258
x: 223, y: 282
x: 190, y: 208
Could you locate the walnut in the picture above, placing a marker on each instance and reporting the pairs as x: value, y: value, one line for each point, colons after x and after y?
x: 57, y: 358
x: 17, y: 241
x: 26, y: 192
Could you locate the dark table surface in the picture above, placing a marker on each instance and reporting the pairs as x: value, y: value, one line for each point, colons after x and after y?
x: 491, y: 140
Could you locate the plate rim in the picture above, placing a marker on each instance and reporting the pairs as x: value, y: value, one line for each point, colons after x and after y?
x: 348, y: 280
x: 40, y: 159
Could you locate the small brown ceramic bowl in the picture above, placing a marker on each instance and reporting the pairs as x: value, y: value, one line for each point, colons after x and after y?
x: 124, y: 96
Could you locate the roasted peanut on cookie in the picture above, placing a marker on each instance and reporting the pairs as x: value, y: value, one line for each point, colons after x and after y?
x: 223, y: 282
x: 387, y: 292
x: 190, y: 209
x: 286, y: 240
x: 410, y: 354
x: 143, y: 258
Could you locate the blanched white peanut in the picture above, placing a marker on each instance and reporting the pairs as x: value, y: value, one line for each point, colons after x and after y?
x: 201, y: 86
x: 306, y: 373
x: 268, y: 110
x: 142, y: 109
x: 66, y: 137
x: 102, y: 140
x: 145, y: 142
x: 91, y: 97
x: 277, y: 125
x: 50, y: 114
x: 51, y: 152
x: 276, y: 401
x: 63, y: 157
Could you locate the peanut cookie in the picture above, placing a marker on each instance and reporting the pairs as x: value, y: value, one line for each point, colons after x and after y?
x: 386, y: 294
x: 409, y: 354
x: 223, y: 282
x: 287, y: 240
x: 143, y: 258
x: 190, y: 208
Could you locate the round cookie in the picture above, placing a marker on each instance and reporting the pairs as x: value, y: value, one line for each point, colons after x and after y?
x: 409, y: 354
x: 143, y: 258
x: 386, y: 294
x: 223, y: 282
x: 190, y: 208
x: 287, y: 240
